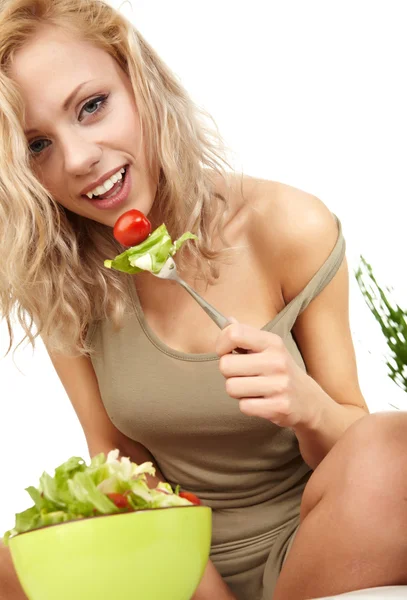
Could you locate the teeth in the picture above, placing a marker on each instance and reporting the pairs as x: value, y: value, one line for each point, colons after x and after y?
x: 99, y: 190
x: 106, y: 185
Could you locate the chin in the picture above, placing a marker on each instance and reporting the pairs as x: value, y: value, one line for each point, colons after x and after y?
x: 143, y: 205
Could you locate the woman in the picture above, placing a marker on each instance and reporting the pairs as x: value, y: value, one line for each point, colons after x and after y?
x: 83, y: 98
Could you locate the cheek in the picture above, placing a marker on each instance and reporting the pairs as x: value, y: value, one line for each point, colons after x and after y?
x: 54, y: 184
x: 47, y: 178
x: 127, y: 128
x: 43, y: 175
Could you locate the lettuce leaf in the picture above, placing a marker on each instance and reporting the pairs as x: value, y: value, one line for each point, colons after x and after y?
x: 79, y: 491
x: 151, y: 255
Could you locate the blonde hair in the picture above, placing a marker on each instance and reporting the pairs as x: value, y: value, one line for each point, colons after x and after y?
x: 51, y: 260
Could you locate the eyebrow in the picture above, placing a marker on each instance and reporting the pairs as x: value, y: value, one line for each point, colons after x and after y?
x: 67, y: 103
x: 72, y: 95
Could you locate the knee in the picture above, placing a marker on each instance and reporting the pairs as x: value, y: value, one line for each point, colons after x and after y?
x: 374, y: 481
x: 366, y: 471
x: 375, y: 451
x: 377, y: 441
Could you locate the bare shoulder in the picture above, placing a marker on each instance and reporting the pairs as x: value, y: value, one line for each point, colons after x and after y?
x: 295, y: 229
x: 292, y: 231
x: 243, y: 195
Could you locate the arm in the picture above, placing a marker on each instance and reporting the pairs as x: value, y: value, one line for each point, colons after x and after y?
x: 78, y: 377
x: 331, y: 365
x: 322, y: 332
x: 322, y: 403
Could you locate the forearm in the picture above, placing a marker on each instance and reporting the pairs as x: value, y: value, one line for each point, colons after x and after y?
x: 212, y: 586
x: 317, y: 437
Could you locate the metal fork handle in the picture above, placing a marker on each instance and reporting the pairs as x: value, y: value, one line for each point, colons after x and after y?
x: 220, y: 320
x: 217, y: 317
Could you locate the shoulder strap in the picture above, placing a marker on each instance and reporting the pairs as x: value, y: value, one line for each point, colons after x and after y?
x: 285, y: 320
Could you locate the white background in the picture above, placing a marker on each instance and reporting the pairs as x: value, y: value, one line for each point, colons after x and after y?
x: 308, y: 93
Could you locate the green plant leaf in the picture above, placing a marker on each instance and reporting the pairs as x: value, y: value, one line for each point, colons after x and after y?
x: 391, y: 318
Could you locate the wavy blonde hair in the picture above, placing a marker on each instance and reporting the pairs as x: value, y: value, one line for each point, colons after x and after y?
x: 52, y: 278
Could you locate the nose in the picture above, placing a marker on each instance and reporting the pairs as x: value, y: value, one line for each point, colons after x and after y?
x: 80, y: 154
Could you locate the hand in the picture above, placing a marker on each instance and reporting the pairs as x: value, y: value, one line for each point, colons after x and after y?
x: 266, y: 381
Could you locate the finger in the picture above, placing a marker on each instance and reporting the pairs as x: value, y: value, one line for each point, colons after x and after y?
x: 241, y: 365
x: 249, y: 365
x: 277, y: 410
x: 256, y: 387
x: 237, y: 349
x: 245, y: 336
x: 232, y: 320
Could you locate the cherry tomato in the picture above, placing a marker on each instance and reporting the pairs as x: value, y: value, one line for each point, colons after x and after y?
x: 191, y: 497
x: 119, y: 500
x: 132, y: 228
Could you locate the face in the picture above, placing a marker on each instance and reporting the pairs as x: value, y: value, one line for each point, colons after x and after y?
x: 82, y: 127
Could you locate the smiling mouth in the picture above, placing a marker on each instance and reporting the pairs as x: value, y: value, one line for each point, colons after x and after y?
x: 117, y: 185
x: 114, y: 197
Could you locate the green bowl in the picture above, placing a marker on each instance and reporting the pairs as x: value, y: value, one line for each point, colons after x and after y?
x: 148, y: 554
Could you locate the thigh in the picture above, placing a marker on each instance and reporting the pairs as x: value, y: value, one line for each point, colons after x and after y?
x: 277, y: 556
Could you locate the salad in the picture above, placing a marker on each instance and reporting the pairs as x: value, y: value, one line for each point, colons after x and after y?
x: 107, y: 486
x: 151, y: 250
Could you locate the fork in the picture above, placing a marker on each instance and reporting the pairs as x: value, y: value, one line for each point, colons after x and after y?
x: 169, y: 271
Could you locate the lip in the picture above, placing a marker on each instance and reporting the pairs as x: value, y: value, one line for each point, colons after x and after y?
x: 119, y: 198
x: 101, y: 180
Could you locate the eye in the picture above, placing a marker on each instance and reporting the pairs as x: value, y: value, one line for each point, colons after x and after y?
x: 37, y: 146
x: 93, y: 106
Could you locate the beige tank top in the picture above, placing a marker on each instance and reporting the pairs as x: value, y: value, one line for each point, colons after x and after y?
x: 247, y: 469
